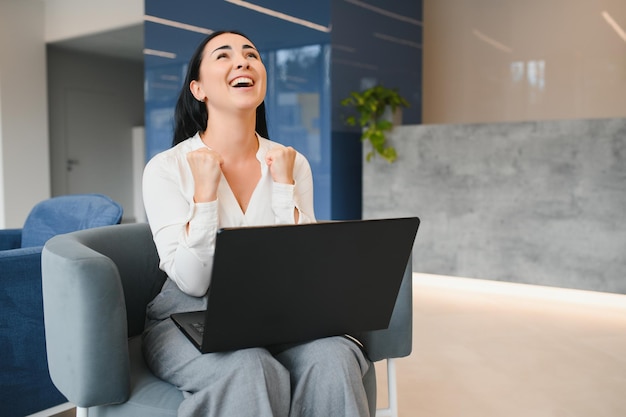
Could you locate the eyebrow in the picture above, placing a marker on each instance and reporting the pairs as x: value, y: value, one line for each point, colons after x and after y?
x: 246, y: 46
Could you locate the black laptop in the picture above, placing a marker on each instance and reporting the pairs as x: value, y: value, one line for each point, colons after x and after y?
x: 282, y: 284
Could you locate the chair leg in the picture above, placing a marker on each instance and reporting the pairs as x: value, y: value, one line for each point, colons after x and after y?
x: 392, y: 392
x: 82, y: 412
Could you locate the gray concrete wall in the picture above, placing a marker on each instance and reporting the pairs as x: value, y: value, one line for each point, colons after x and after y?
x: 531, y: 202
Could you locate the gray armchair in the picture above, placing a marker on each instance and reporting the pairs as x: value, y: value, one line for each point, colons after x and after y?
x: 96, y: 285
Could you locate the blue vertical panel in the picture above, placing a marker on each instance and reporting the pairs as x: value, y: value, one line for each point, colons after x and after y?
x: 296, y: 109
x: 373, y: 42
x: 376, y: 42
x: 167, y: 51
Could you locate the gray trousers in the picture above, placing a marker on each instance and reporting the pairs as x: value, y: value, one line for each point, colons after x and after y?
x: 318, y: 378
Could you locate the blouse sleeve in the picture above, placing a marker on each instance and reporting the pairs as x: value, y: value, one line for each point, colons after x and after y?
x: 186, y: 253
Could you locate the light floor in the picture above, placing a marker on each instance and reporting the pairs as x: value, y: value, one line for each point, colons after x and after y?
x: 490, y: 349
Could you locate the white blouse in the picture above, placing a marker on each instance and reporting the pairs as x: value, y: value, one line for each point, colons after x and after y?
x: 168, y: 188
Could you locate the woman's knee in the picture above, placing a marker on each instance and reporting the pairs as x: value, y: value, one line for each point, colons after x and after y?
x: 251, y: 357
x: 255, y: 362
x: 328, y: 356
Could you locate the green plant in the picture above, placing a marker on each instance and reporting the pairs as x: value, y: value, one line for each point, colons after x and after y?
x: 370, y: 105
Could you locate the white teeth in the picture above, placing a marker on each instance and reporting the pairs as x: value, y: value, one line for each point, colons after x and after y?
x: 241, y: 81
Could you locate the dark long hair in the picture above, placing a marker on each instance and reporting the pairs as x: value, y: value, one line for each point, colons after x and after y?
x: 190, y: 115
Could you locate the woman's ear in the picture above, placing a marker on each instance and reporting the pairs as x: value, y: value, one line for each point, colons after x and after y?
x: 196, y: 90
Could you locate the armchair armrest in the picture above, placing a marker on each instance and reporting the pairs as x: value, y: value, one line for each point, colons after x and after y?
x: 85, y: 323
x: 10, y: 239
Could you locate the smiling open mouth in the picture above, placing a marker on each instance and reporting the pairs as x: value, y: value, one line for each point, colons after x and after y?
x: 242, y: 82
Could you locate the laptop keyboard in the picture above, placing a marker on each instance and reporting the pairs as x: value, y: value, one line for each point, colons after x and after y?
x: 199, y: 327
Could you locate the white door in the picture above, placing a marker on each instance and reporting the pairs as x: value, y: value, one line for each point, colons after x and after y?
x: 98, y: 145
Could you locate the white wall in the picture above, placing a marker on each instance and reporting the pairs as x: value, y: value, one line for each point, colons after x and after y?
x: 479, y: 58
x: 66, y: 19
x: 24, y: 163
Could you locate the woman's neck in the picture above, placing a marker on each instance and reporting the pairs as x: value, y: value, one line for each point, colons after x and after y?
x: 232, y: 136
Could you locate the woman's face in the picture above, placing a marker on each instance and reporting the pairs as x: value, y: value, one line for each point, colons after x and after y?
x: 231, y: 74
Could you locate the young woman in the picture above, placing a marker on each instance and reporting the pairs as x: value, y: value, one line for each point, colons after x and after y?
x: 223, y: 172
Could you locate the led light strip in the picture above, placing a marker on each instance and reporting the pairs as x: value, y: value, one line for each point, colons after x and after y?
x: 529, y: 291
x: 385, y: 12
x: 397, y: 40
x: 616, y: 27
x: 177, y: 25
x: 492, y: 42
x: 279, y: 15
x: 161, y: 54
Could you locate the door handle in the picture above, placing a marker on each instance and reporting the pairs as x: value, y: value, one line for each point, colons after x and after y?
x: 71, y: 163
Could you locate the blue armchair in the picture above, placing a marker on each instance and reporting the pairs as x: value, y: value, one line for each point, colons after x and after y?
x: 25, y: 385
